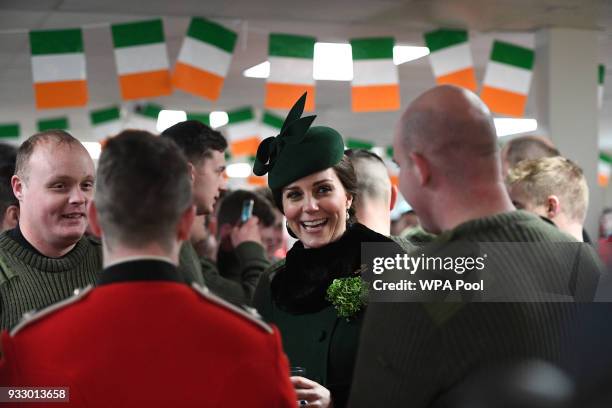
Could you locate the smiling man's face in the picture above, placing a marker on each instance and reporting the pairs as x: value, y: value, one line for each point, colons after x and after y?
x: 53, y: 194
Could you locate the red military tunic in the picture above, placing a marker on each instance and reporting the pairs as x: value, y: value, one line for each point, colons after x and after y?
x: 141, y: 338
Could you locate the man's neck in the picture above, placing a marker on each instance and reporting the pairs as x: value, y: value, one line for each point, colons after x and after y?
x: 456, y: 209
x: 43, y: 247
x: 121, y: 253
x: 375, y: 216
x: 572, y: 228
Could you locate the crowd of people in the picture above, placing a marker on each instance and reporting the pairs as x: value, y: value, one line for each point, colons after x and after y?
x: 141, y: 282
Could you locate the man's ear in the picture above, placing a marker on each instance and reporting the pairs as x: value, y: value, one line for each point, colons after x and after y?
x: 393, y: 196
x: 553, y: 206
x: 183, y: 229
x: 422, y: 167
x: 92, y: 217
x: 11, y: 217
x: 17, y: 186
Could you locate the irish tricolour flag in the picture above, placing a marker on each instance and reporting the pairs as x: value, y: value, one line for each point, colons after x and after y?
x: 359, y: 144
x: 451, y: 58
x: 105, y: 122
x: 58, y: 68
x: 507, y: 79
x: 601, y: 79
x: 242, y: 131
x: 291, y: 59
x: 271, y: 124
x: 203, y: 117
x: 204, y: 59
x: 145, y: 117
x: 61, y: 123
x: 142, y: 60
x: 604, y: 168
x: 10, y: 130
x: 375, y: 84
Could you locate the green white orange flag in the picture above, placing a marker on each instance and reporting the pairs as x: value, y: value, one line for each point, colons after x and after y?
x: 389, y: 152
x: 10, y: 130
x: 451, y: 57
x: 375, y: 85
x: 60, y: 123
x: 58, y: 68
x: 199, y: 116
x: 145, y: 117
x: 242, y: 131
x: 105, y: 122
x: 204, y: 58
x: 601, y: 78
x: 507, y: 79
x: 604, y: 168
x: 359, y: 144
x: 291, y: 66
x: 142, y: 59
x: 392, y: 168
x: 271, y: 124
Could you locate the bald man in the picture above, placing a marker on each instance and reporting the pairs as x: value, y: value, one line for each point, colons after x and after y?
x: 376, y: 195
x: 450, y: 173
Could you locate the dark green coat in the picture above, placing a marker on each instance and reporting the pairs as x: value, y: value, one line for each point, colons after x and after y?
x: 314, y: 337
x: 324, y: 344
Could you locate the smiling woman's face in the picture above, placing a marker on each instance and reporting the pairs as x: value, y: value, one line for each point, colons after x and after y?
x: 316, y: 208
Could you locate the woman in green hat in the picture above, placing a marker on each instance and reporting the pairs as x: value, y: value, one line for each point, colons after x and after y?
x: 314, y: 185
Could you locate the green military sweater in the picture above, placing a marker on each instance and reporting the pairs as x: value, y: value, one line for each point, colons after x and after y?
x: 189, y: 268
x: 236, y: 283
x: 411, y: 353
x: 30, y: 281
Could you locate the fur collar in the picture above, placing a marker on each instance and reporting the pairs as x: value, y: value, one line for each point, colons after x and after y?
x: 300, y: 286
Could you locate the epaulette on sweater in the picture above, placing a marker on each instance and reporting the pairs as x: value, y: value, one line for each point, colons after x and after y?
x: 34, y: 316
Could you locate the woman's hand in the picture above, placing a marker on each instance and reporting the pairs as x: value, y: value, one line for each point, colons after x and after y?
x: 313, y: 393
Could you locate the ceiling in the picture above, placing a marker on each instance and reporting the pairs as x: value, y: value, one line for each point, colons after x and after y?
x: 334, y: 21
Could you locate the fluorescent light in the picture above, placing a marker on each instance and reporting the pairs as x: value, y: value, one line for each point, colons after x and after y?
x: 94, y: 149
x: 218, y: 119
x: 332, y: 62
x: 405, y: 53
x: 238, y: 170
x: 508, y: 126
x: 167, y: 118
x: 258, y: 71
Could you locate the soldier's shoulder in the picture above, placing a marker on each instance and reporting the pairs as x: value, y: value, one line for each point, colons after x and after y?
x: 246, y: 313
x: 30, y: 319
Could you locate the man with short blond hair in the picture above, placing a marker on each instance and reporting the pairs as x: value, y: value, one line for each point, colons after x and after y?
x: 46, y: 257
x: 551, y: 187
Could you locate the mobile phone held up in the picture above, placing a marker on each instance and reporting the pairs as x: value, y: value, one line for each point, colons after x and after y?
x: 247, y: 210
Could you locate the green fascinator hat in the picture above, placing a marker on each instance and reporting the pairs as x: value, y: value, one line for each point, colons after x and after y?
x: 299, y: 150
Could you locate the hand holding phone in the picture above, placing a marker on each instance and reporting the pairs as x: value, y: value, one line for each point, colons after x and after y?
x: 247, y: 210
